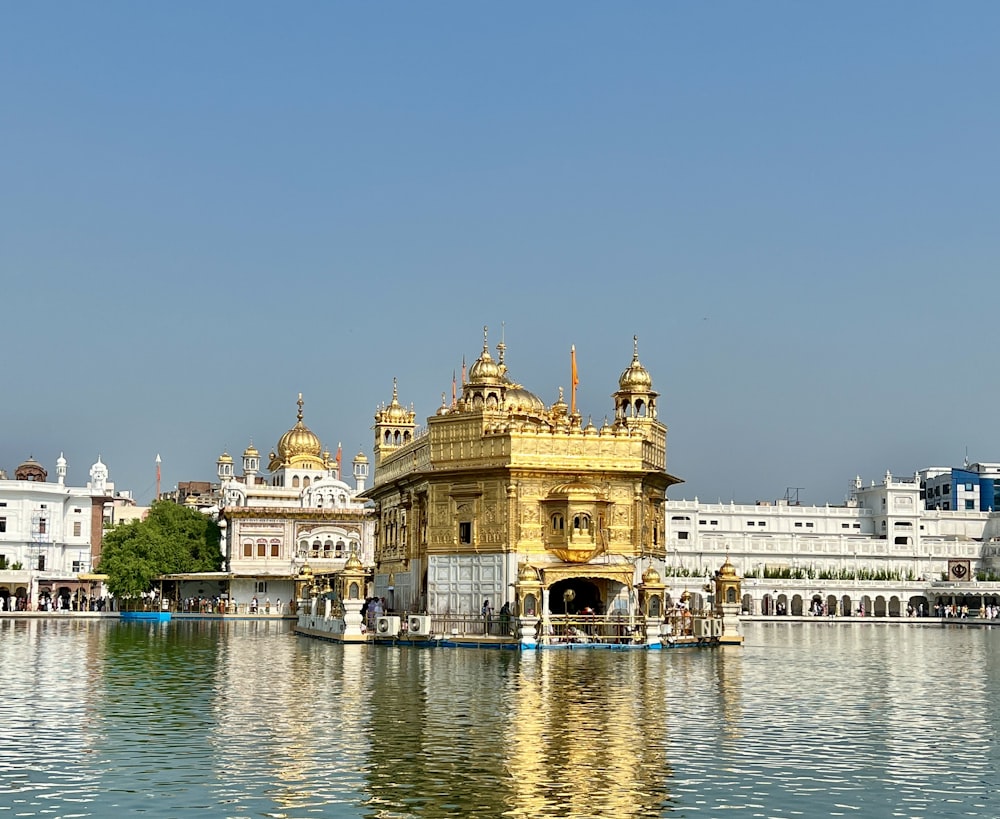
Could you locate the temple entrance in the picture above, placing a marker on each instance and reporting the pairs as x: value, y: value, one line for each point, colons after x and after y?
x: 574, y: 595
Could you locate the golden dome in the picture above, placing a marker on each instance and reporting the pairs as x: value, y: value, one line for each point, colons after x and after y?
x: 395, y: 413
x: 485, y: 370
x: 651, y: 577
x: 577, y: 490
x: 528, y: 574
x: 360, y: 458
x: 251, y: 452
x: 728, y: 570
x: 520, y: 400
x: 305, y: 572
x: 299, y: 440
x: 225, y: 458
x: 635, y: 377
x: 354, y: 563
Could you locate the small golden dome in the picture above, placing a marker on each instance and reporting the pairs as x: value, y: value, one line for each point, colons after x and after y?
x: 225, y: 458
x: 528, y: 574
x: 651, y: 577
x: 395, y: 413
x: 360, y: 458
x: 485, y: 370
x: 560, y: 407
x: 299, y: 440
x: 727, y: 570
x: 354, y: 563
x: 305, y: 572
x: 635, y: 377
x: 577, y: 490
x: 251, y: 452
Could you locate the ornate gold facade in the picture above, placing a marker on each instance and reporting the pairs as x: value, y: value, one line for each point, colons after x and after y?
x: 498, y: 479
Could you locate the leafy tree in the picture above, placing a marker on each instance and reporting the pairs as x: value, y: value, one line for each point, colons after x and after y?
x: 170, y: 540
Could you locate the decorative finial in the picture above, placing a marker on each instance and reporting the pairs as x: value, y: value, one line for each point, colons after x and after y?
x: 502, y: 346
x: 300, y: 403
x: 486, y: 340
x: 395, y: 392
x: 635, y: 348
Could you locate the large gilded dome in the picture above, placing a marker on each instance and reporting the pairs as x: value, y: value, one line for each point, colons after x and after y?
x: 299, y: 440
x: 635, y: 377
x: 520, y: 400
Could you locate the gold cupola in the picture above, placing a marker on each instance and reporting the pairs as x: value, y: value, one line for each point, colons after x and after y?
x: 635, y: 377
x: 485, y: 370
x: 299, y: 445
x: 635, y: 400
x: 394, y: 424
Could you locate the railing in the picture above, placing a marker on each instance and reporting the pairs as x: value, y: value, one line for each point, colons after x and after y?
x: 560, y: 628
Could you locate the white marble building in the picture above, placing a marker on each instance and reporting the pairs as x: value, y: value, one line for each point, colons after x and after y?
x: 882, y: 550
x: 302, y: 511
x: 51, y: 533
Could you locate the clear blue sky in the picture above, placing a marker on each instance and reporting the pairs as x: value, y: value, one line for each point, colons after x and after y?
x: 206, y: 208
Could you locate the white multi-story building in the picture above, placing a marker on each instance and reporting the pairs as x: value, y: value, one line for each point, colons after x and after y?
x: 50, y: 535
x: 882, y: 552
x: 302, y: 512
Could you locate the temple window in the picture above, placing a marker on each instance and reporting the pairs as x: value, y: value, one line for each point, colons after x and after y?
x: 558, y: 523
x: 465, y: 531
x: 248, y: 548
x: 275, y: 548
x: 295, y: 482
x: 261, y: 548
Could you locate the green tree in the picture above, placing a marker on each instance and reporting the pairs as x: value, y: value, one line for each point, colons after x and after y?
x: 170, y: 540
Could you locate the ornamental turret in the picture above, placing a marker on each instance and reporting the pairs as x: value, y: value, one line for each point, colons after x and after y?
x: 251, y: 463
x: 360, y: 465
x: 224, y: 467
x: 394, y: 424
x: 635, y: 399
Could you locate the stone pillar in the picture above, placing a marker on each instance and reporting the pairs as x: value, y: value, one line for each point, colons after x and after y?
x: 529, y: 596
x: 728, y: 603
x: 352, y: 588
x: 653, y: 637
x: 652, y: 593
x: 527, y: 627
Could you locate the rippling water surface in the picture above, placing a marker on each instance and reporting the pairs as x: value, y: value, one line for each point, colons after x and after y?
x: 243, y: 719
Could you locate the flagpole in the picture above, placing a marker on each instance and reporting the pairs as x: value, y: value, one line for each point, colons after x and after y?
x: 574, y: 380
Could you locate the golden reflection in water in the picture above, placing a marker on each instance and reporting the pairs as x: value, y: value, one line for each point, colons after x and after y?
x: 588, y: 736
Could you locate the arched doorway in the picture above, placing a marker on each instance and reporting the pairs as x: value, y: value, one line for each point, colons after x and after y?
x: 573, y: 595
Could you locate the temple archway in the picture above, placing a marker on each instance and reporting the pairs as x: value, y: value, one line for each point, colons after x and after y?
x: 573, y: 595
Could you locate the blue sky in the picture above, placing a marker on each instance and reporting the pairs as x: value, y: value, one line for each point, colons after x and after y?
x: 208, y: 208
